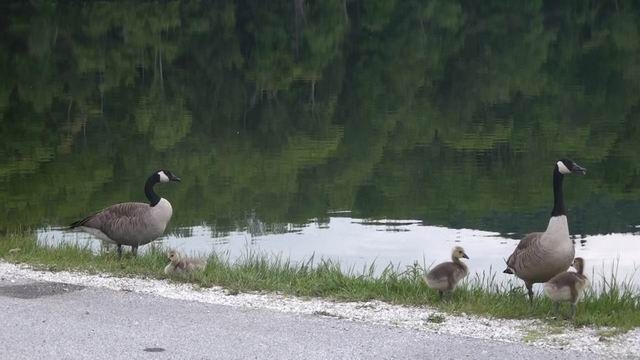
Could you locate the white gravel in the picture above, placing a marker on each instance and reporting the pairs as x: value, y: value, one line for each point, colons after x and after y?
x: 427, y: 319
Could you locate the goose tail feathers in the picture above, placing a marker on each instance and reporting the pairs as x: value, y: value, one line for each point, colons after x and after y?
x: 508, y: 270
x: 81, y: 222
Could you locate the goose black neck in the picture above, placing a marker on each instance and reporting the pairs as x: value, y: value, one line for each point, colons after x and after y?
x: 558, y: 197
x: 154, y: 199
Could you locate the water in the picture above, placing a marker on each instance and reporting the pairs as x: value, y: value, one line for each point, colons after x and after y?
x: 357, y: 244
x: 383, y: 135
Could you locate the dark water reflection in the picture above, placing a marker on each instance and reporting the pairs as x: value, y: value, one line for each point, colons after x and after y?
x: 451, y: 113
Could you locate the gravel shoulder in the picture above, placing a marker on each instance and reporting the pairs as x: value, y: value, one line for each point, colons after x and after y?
x: 77, y: 315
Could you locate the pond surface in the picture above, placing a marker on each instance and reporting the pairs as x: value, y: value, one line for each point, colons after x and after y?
x: 340, y: 129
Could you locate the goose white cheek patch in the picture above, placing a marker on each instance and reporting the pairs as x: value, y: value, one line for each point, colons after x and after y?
x: 163, y: 176
x: 562, y: 168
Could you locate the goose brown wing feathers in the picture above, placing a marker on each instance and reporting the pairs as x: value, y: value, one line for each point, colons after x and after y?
x: 523, y: 246
x: 114, y: 218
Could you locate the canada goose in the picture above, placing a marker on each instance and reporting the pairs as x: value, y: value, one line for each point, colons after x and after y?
x: 180, y: 264
x: 568, y: 286
x: 132, y: 223
x: 445, y: 276
x: 541, y: 255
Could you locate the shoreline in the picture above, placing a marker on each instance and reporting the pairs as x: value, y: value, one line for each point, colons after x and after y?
x: 534, y: 332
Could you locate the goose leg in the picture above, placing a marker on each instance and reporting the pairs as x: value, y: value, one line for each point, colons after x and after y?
x: 573, y: 311
x: 556, y: 307
x: 441, y: 294
x: 529, y: 291
x: 119, y: 251
x: 134, y: 250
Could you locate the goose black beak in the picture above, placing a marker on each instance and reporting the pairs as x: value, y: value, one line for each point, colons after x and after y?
x: 174, y: 178
x: 577, y: 169
x: 465, y: 256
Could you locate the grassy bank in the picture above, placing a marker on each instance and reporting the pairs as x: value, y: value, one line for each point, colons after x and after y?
x: 611, y: 305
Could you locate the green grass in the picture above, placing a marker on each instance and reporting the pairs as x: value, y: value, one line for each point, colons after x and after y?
x: 436, y: 318
x: 615, y: 304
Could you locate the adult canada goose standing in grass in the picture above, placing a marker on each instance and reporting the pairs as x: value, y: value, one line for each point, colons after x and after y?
x: 445, y: 276
x: 568, y: 286
x: 179, y: 264
x: 542, y: 255
x: 132, y: 223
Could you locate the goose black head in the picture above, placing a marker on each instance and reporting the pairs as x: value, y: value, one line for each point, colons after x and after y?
x: 166, y: 176
x: 566, y: 166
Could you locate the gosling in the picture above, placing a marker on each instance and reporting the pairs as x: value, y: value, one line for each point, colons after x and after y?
x: 179, y: 264
x: 568, y: 286
x: 445, y: 276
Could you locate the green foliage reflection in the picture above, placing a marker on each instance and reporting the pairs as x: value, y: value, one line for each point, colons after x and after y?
x: 450, y: 112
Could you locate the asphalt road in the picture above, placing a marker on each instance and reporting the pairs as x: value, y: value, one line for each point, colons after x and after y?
x: 41, y: 320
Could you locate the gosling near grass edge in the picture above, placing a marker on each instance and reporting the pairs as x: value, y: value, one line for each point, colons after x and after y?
x: 540, y: 256
x: 179, y: 264
x: 132, y: 223
x: 445, y: 276
x: 568, y: 287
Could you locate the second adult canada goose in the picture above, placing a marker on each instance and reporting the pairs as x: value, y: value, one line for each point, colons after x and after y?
x: 132, y: 223
x: 445, y: 276
x: 568, y: 286
x: 541, y: 255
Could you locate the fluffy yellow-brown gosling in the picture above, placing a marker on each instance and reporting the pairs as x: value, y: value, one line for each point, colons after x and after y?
x: 445, y: 276
x: 568, y: 286
x: 179, y: 264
